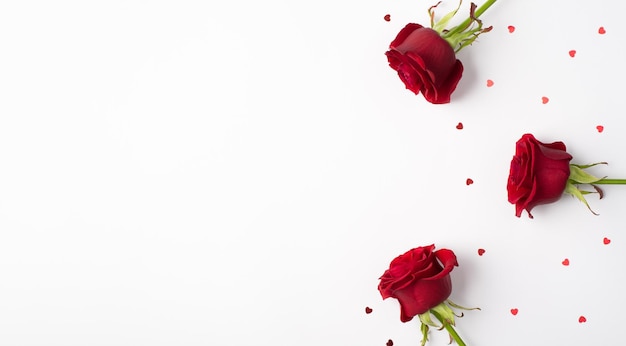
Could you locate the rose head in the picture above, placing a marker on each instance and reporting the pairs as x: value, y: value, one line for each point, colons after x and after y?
x: 425, y: 62
x: 538, y: 175
x: 419, y: 279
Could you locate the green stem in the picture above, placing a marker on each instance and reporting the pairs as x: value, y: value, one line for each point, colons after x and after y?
x: 449, y: 328
x: 469, y: 20
x: 611, y: 181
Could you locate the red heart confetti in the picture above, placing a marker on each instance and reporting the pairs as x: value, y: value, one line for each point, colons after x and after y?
x: 514, y: 311
x: 511, y: 28
x: 601, y: 30
x: 387, y: 17
x: 368, y: 310
x: 572, y: 53
x: 606, y: 241
x: 544, y: 100
x: 459, y: 126
x: 489, y: 83
x: 390, y: 342
x: 469, y: 181
x: 565, y: 262
x: 481, y: 252
x: 600, y: 128
x: 582, y: 319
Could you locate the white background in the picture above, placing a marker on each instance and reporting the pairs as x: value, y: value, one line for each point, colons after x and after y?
x: 241, y: 173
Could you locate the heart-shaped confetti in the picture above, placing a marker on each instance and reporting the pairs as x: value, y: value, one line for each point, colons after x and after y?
x: 582, y: 319
x: 489, y: 83
x: 572, y: 53
x: 601, y: 30
x: 387, y: 17
x: 565, y: 262
x: 514, y: 311
x: 481, y: 252
x: 469, y: 181
x: 459, y: 126
x: 511, y: 28
x: 606, y: 241
x: 600, y: 128
x: 544, y: 100
x: 368, y: 310
x: 390, y: 342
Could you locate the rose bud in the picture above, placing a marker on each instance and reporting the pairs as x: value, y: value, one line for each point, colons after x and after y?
x: 538, y: 173
x: 541, y: 172
x: 425, y: 62
x: 420, y: 280
x: 425, y: 58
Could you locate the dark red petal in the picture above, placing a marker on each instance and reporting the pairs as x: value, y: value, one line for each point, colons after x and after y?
x: 438, y: 56
x: 440, y: 93
x: 448, y: 259
x: 555, y: 151
x: 403, y: 34
x: 423, y: 296
x: 394, y: 58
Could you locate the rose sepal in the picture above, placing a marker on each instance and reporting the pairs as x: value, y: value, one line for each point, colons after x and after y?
x: 424, y: 328
x: 427, y: 320
x: 454, y: 305
x: 572, y: 189
x: 440, y: 26
x: 443, y: 311
x: 579, y: 176
x: 445, y: 315
x: 465, y: 33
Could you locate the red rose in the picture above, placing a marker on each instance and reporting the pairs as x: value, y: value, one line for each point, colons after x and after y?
x: 418, y: 280
x: 539, y: 173
x: 425, y: 62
